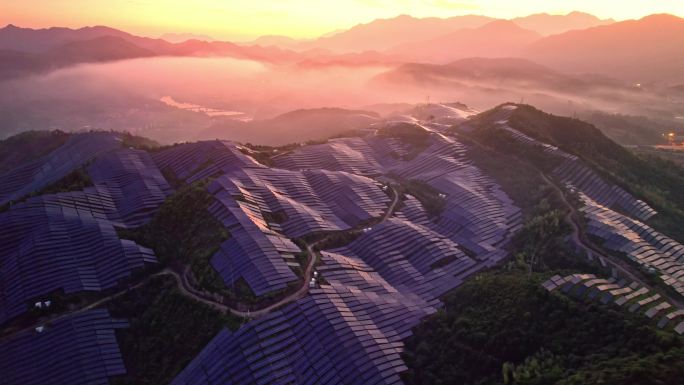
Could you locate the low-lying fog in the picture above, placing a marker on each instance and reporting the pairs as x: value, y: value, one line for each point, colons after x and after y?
x: 173, y: 99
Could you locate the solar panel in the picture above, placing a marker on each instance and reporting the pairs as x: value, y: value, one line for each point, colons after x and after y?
x: 79, y: 349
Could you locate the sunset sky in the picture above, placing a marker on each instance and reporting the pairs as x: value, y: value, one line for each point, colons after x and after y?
x: 242, y: 20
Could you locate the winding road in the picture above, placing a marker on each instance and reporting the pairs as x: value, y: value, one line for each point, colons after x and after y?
x: 582, y: 241
x: 186, y: 288
x: 579, y: 237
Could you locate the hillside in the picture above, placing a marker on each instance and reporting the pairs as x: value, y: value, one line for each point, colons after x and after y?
x: 27, y: 146
x: 655, y: 181
x: 505, y: 329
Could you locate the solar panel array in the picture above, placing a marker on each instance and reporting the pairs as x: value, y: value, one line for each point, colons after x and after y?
x: 80, y: 349
x: 377, y: 287
x: 443, y: 165
x: 349, y: 331
x: 252, y: 253
x: 478, y: 215
x: 46, y: 247
x: 629, y: 295
x: 336, y: 335
x: 638, y: 241
x: 354, y: 155
x: 405, y: 254
x: 40, y: 173
x: 312, y: 200
x: 609, y: 195
x: 309, y: 201
x: 195, y: 161
x: 573, y: 171
x: 134, y: 184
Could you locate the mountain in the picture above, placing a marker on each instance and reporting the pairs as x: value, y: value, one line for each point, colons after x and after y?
x: 383, y: 33
x: 647, y: 50
x: 502, y: 72
x: 499, y: 38
x: 294, y: 126
x: 105, y: 48
x: 46, y: 39
x: 42, y: 40
x: 546, y: 24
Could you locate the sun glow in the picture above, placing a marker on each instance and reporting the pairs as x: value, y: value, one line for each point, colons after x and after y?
x: 240, y: 20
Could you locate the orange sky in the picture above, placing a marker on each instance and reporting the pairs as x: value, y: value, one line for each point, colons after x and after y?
x: 241, y: 20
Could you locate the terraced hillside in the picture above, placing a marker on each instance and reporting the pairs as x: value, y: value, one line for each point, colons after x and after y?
x: 600, y: 174
x: 314, y: 269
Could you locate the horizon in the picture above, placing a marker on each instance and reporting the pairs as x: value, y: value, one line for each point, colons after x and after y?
x: 303, y: 21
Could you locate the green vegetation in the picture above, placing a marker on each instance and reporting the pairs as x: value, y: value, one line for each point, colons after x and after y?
x: 519, y: 180
x: 503, y: 328
x: 166, y: 331
x: 138, y: 142
x: 675, y: 156
x: 184, y: 233
x: 76, y: 180
x: 331, y: 240
x: 410, y: 134
x: 262, y: 157
x: 629, y: 129
x: 656, y: 181
x: 505, y: 146
x: 27, y: 146
x: 276, y: 217
x: 428, y: 196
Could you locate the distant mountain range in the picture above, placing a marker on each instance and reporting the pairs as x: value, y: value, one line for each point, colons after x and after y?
x: 546, y: 24
x: 498, y: 38
x: 381, y: 34
x: 646, y: 50
x: 639, y: 51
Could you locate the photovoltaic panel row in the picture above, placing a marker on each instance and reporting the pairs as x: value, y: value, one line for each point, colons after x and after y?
x: 42, y: 172
x: 312, y: 201
x: 638, y: 241
x: 334, y: 336
x: 195, y: 161
x: 44, y: 248
x: 79, y: 349
x: 133, y: 182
